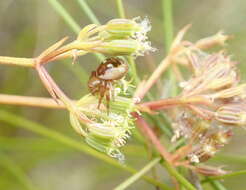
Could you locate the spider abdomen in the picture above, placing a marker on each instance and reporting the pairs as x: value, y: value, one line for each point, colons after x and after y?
x: 101, y: 80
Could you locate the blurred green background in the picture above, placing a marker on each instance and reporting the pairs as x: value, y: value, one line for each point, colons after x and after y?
x: 29, y: 26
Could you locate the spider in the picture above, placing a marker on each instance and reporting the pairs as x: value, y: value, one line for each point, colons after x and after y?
x: 101, y: 81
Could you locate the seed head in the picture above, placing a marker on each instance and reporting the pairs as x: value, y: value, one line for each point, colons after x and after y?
x: 210, y: 171
x: 232, y: 114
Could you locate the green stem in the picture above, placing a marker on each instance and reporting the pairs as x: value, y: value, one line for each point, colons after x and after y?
x: 172, y: 171
x: 18, y: 121
x: 84, y: 6
x: 133, y: 70
x: 138, y: 175
x: 120, y: 8
x: 16, y: 171
x: 167, y: 23
x: 216, y: 185
x: 174, y: 146
x: 65, y: 15
x: 168, y: 38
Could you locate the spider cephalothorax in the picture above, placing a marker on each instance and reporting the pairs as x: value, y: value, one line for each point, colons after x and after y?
x: 101, y: 80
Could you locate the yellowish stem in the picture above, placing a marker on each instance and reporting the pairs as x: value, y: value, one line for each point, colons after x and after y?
x: 26, y: 62
x: 30, y: 101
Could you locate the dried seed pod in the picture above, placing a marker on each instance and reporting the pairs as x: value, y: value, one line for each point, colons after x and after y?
x: 232, y: 114
x: 210, y: 171
x: 237, y: 91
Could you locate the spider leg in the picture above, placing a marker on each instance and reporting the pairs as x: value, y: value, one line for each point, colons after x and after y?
x: 111, y: 91
x: 108, y: 97
x: 102, y: 91
x: 94, y: 91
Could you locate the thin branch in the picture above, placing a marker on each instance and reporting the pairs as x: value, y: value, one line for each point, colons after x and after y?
x: 216, y: 185
x: 138, y: 175
x: 178, y: 176
x: 165, y: 63
x: 147, y: 131
x: 30, y: 101
x: 16, y: 61
x: 65, y: 15
x: 120, y: 8
x: 155, y: 76
x: 88, y: 11
x: 167, y: 23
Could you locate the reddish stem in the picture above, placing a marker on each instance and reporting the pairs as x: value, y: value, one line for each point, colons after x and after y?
x: 162, y: 104
x: 148, y: 132
x: 170, y: 102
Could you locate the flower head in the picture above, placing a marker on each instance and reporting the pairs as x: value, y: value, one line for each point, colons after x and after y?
x: 214, y: 101
x: 117, y: 37
x: 106, y: 132
x: 124, y: 28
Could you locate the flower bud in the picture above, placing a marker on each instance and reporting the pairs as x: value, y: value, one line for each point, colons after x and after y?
x: 106, y: 132
x: 122, y: 27
x: 105, y: 146
x: 237, y: 91
x: 210, y: 171
x: 232, y: 114
x: 124, y: 47
x: 211, y: 41
x: 223, y: 82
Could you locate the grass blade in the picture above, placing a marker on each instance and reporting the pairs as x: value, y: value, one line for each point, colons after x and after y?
x: 138, y: 175
x: 16, y: 171
x: 65, y: 15
x: 84, y: 6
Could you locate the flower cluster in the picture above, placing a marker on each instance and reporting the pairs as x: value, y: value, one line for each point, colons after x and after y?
x: 108, y: 131
x: 116, y: 37
x: 214, y: 104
